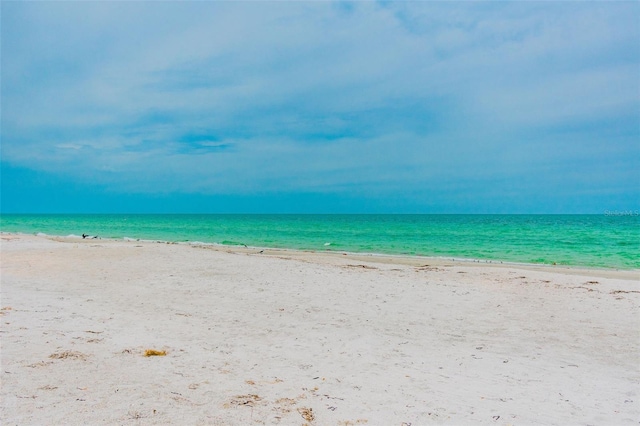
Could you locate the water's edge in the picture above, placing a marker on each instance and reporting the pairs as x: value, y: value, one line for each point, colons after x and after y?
x: 582, y: 241
x: 413, y: 260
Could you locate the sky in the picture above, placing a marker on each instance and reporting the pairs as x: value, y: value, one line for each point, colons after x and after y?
x: 320, y: 107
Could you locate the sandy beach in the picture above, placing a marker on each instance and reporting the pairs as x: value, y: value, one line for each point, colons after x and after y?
x: 293, y: 338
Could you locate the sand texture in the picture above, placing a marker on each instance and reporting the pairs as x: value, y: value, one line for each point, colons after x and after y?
x: 294, y: 338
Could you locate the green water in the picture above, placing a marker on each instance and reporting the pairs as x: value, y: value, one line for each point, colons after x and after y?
x: 605, y: 241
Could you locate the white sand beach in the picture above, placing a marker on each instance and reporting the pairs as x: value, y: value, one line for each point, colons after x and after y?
x: 292, y: 338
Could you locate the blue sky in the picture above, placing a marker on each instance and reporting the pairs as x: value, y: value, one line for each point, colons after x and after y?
x: 325, y: 107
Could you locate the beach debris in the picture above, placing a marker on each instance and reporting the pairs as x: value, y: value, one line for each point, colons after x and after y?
x: 284, y: 405
x: 179, y: 398
x: 154, y: 352
x: 332, y: 397
x: 249, y: 400
x: 40, y: 364
x: 27, y: 396
x: 48, y: 387
x: 363, y: 421
x: 68, y: 355
x: 585, y: 288
x: 307, y: 414
x: 360, y: 266
x: 428, y: 268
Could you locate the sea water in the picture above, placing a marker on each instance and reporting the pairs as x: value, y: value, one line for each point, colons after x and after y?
x: 605, y: 241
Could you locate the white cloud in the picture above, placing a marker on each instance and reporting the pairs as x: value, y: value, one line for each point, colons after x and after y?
x: 68, y: 146
x: 308, y: 95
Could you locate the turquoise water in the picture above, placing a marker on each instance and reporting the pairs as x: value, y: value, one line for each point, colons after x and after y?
x: 605, y: 241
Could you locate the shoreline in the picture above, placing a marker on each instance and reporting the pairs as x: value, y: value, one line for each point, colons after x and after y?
x: 284, y: 337
x: 412, y: 260
x: 583, y: 241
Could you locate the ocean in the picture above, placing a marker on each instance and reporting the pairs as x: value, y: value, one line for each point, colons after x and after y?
x: 601, y: 241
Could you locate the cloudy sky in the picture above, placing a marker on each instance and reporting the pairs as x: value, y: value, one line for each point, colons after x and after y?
x: 381, y: 107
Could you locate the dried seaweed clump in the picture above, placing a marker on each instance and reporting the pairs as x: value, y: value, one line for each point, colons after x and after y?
x: 68, y: 355
x: 307, y: 414
x: 249, y: 400
x: 153, y: 352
